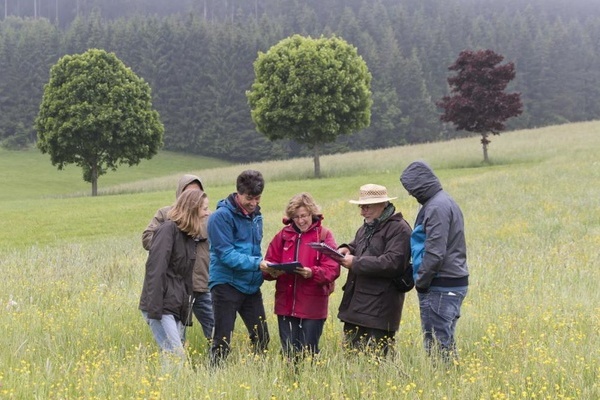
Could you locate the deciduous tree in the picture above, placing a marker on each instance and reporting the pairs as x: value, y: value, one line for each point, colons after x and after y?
x: 478, y: 102
x: 310, y: 91
x: 97, y: 113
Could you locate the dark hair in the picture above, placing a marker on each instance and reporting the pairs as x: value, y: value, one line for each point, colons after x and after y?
x: 250, y: 182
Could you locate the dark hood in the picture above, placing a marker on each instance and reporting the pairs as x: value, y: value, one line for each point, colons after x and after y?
x: 420, y: 181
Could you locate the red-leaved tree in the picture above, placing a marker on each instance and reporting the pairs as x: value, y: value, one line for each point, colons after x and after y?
x: 477, y: 102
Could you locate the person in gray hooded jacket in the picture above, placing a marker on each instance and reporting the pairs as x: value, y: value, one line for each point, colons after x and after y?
x: 439, y: 256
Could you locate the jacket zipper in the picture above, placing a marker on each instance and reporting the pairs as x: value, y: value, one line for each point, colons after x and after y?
x: 296, y: 250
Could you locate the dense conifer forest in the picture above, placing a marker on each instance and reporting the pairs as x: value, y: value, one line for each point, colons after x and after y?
x: 197, y: 56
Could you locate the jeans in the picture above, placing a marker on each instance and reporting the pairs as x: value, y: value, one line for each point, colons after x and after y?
x: 298, y: 335
x: 168, y: 333
x: 440, y: 310
x: 203, y: 310
x: 362, y: 338
x: 227, y: 302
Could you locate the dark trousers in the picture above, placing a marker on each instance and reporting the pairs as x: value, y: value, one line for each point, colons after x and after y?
x: 298, y: 335
x: 227, y: 302
x: 368, y: 339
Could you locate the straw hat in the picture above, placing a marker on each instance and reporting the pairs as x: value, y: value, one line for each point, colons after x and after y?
x: 372, y: 194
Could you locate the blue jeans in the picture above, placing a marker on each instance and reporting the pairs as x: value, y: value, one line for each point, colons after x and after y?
x: 440, y: 310
x: 168, y: 333
x: 298, y: 335
x: 203, y: 310
x: 227, y: 302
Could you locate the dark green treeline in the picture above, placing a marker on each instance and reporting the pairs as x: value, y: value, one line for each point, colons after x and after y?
x: 197, y: 56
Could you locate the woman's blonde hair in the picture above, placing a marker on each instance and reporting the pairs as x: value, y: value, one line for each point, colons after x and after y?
x: 186, y: 211
x: 302, y: 200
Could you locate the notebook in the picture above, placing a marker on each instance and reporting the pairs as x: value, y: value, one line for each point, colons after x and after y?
x: 287, y: 267
x: 326, y: 249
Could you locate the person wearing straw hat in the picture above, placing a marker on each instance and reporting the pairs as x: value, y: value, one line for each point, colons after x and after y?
x: 371, y: 306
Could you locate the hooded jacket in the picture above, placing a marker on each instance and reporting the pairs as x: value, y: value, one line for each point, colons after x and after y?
x: 439, y: 251
x: 294, y: 295
x: 235, y: 253
x: 370, y: 298
x: 168, y: 280
x: 200, y: 277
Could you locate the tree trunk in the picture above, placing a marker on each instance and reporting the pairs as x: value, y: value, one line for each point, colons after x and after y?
x: 484, y: 143
x: 94, y: 180
x: 317, y: 161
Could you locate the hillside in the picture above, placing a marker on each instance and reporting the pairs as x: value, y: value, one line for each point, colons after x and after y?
x: 144, y: 188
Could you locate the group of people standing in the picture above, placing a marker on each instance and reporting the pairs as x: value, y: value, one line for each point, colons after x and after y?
x: 211, y: 265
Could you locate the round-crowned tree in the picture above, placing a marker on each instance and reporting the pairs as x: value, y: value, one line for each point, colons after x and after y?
x: 310, y: 91
x: 97, y: 113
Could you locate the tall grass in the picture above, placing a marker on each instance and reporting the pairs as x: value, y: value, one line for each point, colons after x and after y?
x: 70, y: 326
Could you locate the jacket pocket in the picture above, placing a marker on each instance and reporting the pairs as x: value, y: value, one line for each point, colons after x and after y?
x: 369, y: 299
x: 315, y: 290
x: 281, y: 298
x: 174, y: 297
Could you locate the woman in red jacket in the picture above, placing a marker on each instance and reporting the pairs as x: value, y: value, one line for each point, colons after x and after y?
x: 302, y: 296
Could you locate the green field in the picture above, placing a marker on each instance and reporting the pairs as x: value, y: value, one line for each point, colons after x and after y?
x: 72, y: 268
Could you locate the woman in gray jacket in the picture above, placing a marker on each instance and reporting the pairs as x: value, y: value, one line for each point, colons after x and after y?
x: 371, y: 306
x: 167, y: 291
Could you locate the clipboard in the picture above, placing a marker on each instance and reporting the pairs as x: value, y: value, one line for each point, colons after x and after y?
x: 326, y: 249
x: 288, y: 267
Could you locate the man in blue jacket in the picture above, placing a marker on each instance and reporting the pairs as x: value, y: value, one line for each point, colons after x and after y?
x: 235, y: 232
x: 439, y: 256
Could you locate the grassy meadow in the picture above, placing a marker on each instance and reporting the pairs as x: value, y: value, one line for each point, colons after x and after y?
x: 72, y: 269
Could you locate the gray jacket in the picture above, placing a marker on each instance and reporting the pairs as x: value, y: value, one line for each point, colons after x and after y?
x: 439, y: 250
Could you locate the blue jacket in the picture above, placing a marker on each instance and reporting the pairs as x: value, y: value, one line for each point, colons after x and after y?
x: 235, y: 253
x: 438, y: 246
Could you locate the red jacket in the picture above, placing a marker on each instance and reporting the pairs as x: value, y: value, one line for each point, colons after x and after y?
x: 294, y: 295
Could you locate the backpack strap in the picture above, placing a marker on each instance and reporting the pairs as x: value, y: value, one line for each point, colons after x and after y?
x: 322, y: 235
